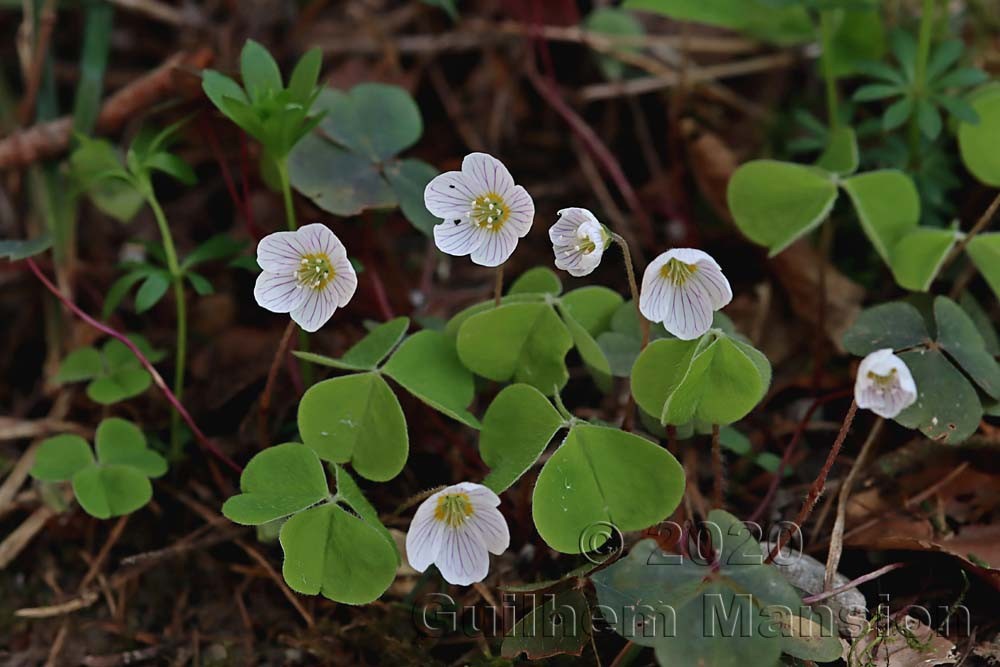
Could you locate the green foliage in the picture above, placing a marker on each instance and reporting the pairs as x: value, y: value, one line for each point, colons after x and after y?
x: 939, y: 93
x: 348, y: 558
x: 979, y: 142
x: 612, y: 22
x: 15, y: 249
x: 368, y: 353
x: 984, y: 251
x: 715, y: 379
x: 520, y: 342
x: 785, y: 23
x: 918, y: 257
x: 775, y: 203
x: 948, y: 406
x: 560, y: 625
x: 356, y: 418
x: 353, y: 165
x: 887, y: 205
x: 840, y: 155
x: 275, y: 115
x: 517, y: 427
x: 728, y: 609
x: 601, y: 477
x: 114, y: 373
x: 537, y: 280
x: 114, y: 483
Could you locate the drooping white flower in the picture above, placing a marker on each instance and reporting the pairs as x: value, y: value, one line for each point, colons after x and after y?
x: 305, y: 273
x: 484, y: 213
x: 682, y: 288
x: 884, y: 384
x: 456, y: 529
x: 578, y: 241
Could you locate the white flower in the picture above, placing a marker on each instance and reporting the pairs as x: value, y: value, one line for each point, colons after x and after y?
x: 578, y: 241
x: 884, y: 384
x: 682, y: 288
x: 305, y: 273
x: 484, y: 212
x: 455, y: 529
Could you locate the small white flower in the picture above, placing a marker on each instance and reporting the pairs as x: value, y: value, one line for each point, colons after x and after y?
x: 305, y: 273
x: 456, y: 529
x: 484, y: 213
x: 884, y: 384
x: 682, y: 288
x: 578, y: 241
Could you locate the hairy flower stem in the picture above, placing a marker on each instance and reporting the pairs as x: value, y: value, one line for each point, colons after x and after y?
x: 819, y: 484
x: 920, y: 75
x: 633, y: 287
x: 498, y: 287
x: 157, y: 378
x: 180, y: 353
x: 286, y: 194
x: 829, y: 76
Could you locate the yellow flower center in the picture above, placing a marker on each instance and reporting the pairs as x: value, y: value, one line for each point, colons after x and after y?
x: 677, y: 271
x: 315, y: 271
x: 883, y: 381
x: 453, y: 509
x: 489, y: 212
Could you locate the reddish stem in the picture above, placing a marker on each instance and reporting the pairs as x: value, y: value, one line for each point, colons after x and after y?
x: 203, y: 441
x: 242, y: 205
x: 819, y: 597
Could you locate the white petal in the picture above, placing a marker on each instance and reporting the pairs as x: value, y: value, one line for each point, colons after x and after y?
x: 423, y: 541
x: 317, y: 238
x: 522, y: 211
x: 276, y: 292
x: 568, y: 223
x: 654, y: 292
x: 889, y: 400
x: 479, y: 494
x: 280, y: 252
x: 449, y: 195
x: 458, y: 239
x: 710, y: 280
x: 344, y: 282
x: 485, y: 174
x: 316, y: 308
x: 490, y: 528
x: 689, y: 311
x: 463, y: 559
x: 497, y: 247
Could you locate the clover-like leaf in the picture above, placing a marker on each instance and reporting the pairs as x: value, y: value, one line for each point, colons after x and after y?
x: 111, y: 490
x: 897, y: 325
x: 331, y: 552
x: 60, y: 457
x: 277, y: 482
x: 356, y: 418
x: 349, y: 493
x: 948, y: 408
x: 335, y: 179
x: 523, y: 342
x: 841, y: 153
x: 888, y: 207
x: 408, y: 179
x: 84, y: 363
x: 120, y: 442
x: 958, y: 336
x: 538, y: 280
x: 979, y: 143
x: 592, y: 482
x: 593, y: 307
x: 774, y: 203
x: 918, y: 257
x: 427, y: 366
x: 516, y: 428
x: 367, y: 353
x: 984, y: 251
x: 15, y: 249
x: 560, y: 625
x: 118, y: 385
x: 373, y: 120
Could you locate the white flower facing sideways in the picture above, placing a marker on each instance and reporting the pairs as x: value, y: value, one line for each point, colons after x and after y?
x: 484, y: 213
x: 682, y: 288
x: 456, y: 529
x: 884, y: 384
x: 305, y: 273
x: 578, y: 241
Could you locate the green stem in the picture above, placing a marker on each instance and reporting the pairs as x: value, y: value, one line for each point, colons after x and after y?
x: 920, y: 73
x: 177, y: 278
x: 826, y: 60
x: 286, y: 193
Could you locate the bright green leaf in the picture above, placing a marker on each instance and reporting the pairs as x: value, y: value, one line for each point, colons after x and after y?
x: 60, y: 457
x: 305, y: 75
x: 118, y: 385
x: 260, y: 72
x: 775, y: 203
x: 594, y: 479
x: 368, y: 352
x: 984, y: 251
x: 539, y: 280
x: 593, y: 307
x: 356, y: 418
x: 887, y: 205
x: 151, y: 291
x: 980, y: 143
x: 917, y: 257
x: 111, y: 490
x: 349, y: 493
x: 120, y: 442
x: 516, y: 428
x: 277, y: 482
x: 84, y: 363
x: 841, y: 153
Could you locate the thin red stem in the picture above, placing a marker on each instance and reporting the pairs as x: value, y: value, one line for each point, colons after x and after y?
x: 819, y: 597
x: 157, y: 379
